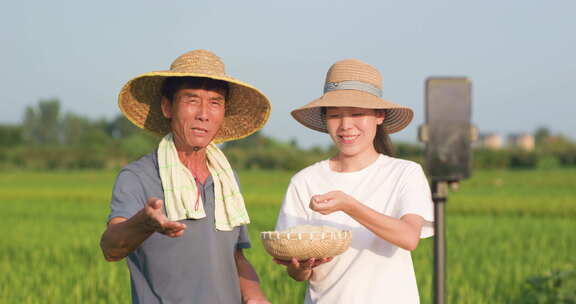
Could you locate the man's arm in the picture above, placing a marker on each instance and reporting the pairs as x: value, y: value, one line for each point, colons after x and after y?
x: 122, y: 236
x: 249, y: 282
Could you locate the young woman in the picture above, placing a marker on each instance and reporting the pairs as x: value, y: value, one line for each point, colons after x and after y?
x: 384, y: 201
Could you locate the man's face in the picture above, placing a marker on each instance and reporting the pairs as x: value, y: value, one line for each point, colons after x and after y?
x: 196, y: 116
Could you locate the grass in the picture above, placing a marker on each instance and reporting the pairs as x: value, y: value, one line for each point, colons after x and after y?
x: 502, y: 227
x: 521, y: 192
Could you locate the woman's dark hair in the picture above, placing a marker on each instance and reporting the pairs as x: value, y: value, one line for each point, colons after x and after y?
x: 382, y: 142
x: 171, y: 85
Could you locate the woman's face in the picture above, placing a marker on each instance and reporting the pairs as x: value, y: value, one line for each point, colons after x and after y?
x: 353, y: 129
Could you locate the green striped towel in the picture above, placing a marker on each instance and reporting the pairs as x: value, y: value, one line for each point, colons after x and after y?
x: 181, y: 192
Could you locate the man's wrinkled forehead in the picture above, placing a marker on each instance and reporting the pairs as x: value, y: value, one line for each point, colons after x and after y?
x: 172, y: 85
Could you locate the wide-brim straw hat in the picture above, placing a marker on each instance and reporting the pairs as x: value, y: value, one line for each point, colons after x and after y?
x: 353, y: 83
x: 247, y: 109
x: 285, y: 245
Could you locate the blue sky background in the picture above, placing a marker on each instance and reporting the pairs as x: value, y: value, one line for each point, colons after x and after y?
x: 519, y: 55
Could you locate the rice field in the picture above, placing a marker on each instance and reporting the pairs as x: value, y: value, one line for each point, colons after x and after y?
x: 503, y: 227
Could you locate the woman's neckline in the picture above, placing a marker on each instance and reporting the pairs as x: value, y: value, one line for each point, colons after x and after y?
x: 329, y: 163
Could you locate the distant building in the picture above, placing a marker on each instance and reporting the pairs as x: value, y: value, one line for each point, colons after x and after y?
x: 491, y: 141
x: 523, y: 141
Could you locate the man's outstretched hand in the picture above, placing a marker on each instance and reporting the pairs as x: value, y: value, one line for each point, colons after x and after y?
x: 157, y: 221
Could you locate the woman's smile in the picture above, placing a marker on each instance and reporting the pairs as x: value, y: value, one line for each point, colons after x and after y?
x: 348, y: 139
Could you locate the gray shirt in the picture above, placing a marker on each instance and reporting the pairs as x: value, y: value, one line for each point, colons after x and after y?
x: 197, y: 267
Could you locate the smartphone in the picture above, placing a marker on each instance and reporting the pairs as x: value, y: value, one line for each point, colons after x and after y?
x: 449, y: 130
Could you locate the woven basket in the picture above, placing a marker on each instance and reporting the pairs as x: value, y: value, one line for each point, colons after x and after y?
x: 302, y: 245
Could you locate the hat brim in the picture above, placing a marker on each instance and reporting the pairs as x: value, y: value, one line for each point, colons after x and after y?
x: 396, y: 117
x: 247, y: 109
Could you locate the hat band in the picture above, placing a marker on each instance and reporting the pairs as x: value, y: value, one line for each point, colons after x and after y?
x: 353, y: 85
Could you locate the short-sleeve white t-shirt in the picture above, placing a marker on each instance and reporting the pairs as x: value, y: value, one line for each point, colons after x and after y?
x: 372, y: 270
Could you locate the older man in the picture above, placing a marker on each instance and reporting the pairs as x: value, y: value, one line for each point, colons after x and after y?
x: 177, y: 213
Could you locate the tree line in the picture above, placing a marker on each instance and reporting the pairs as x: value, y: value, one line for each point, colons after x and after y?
x: 49, y: 139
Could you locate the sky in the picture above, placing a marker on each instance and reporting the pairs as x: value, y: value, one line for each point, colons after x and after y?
x: 520, y: 56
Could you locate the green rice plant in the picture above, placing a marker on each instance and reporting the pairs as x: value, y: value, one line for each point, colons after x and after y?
x: 557, y: 286
x: 503, y: 227
x: 520, y: 192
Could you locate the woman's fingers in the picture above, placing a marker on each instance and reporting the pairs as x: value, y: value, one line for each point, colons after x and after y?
x: 322, y: 261
x: 309, y: 264
x: 281, y: 262
x: 304, y: 264
x: 295, y: 263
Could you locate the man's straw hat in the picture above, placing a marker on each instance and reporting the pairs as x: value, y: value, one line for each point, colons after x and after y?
x: 247, y: 109
x: 353, y: 83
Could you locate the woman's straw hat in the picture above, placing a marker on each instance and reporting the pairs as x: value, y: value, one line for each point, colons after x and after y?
x: 247, y: 109
x: 305, y: 242
x: 353, y: 83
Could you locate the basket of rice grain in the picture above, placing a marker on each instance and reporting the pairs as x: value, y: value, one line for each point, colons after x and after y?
x: 305, y: 242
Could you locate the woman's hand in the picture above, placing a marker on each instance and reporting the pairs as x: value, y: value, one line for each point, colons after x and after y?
x: 302, y: 270
x: 331, y: 202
